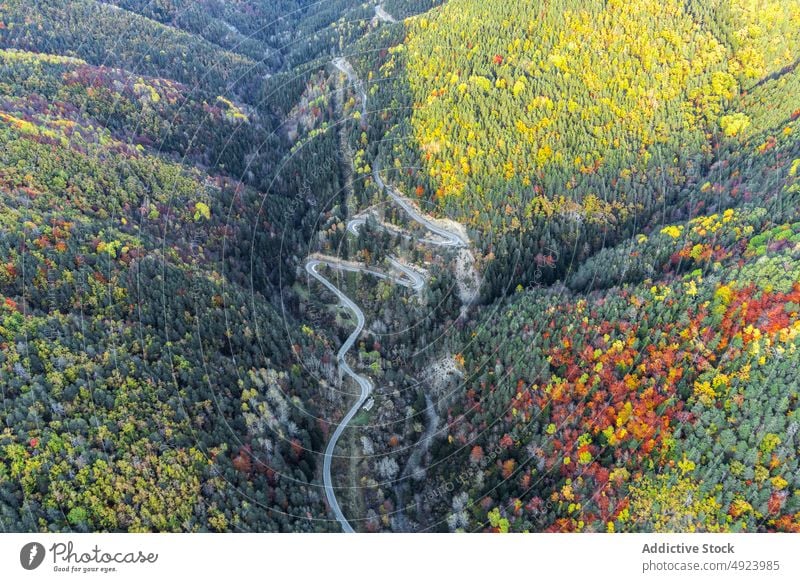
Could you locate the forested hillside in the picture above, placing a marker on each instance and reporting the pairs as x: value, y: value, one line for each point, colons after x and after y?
x: 549, y: 125
x: 643, y: 160
x: 608, y: 411
x: 627, y: 179
x: 150, y: 177
x: 404, y: 8
x: 281, y: 34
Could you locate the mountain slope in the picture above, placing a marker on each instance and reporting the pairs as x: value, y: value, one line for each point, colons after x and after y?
x: 581, y: 124
x: 632, y: 170
x: 146, y: 364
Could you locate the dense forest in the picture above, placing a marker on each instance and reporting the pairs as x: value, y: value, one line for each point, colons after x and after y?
x: 150, y: 179
x: 552, y: 125
x: 630, y: 171
x: 627, y: 178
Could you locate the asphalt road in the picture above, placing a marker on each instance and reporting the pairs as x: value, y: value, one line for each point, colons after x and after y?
x: 450, y: 238
x: 412, y: 279
x: 364, y: 383
x: 345, y: 67
x: 381, y: 13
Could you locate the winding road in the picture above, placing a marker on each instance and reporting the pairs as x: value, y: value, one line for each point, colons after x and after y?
x: 449, y: 237
x: 411, y: 278
x: 345, y: 67
x: 381, y: 13
x: 364, y: 383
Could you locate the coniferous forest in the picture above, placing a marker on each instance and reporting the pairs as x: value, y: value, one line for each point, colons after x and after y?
x: 566, y: 232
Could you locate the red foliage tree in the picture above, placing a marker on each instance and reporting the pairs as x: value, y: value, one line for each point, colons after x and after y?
x: 476, y: 455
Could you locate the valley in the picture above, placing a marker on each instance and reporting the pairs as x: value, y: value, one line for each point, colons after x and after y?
x: 401, y: 266
x: 411, y: 277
